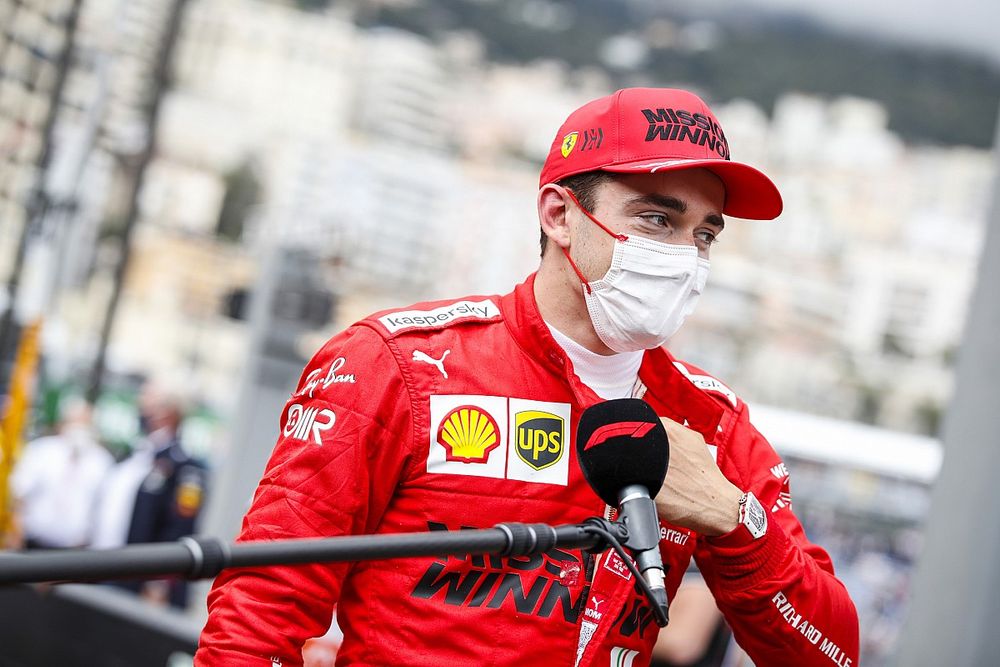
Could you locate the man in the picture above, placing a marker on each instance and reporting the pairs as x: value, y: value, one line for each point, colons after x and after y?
x: 57, y: 481
x: 154, y: 495
x: 428, y: 417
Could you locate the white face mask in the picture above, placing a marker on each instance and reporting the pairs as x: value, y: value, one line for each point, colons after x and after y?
x: 647, y: 293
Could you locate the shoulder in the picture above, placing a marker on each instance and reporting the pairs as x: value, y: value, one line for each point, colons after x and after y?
x: 378, y: 351
x: 709, y: 384
x: 422, y: 318
x: 370, y: 336
x: 388, y: 342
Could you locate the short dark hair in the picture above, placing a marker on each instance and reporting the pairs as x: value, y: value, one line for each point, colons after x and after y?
x: 585, y: 187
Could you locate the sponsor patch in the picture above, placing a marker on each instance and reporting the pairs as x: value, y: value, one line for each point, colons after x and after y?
x: 321, y: 377
x: 587, y: 630
x: 308, y: 424
x: 538, y: 441
x: 592, y: 139
x: 784, y: 500
x: 623, y: 657
x: 682, y: 125
x: 614, y: 563
x: 419, y: 355
x: 437, y: 317
x: 708, y: 383
x: 674, y: 536
x: 468, y: 435
x: 570, y: 574
x: 595, y: 608
x: 539, y: 438
x: 785, y: 495
x: 815, y: 636
x: 526, y: 585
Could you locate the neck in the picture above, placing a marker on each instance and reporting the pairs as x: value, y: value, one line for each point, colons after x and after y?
x: 559, y: 295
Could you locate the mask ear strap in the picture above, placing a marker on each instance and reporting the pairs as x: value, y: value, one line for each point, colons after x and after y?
x: 580, y: 275
x: 620, y: 237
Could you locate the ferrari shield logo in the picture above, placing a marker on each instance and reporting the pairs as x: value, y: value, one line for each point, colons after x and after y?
x: 569, y: 142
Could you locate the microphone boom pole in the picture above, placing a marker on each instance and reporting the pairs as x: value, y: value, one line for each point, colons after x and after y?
x: 205, y: 557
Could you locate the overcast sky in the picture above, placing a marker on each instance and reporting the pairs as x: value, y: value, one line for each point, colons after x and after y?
x: 971, y: 25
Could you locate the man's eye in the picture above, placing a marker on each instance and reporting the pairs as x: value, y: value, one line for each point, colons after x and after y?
x: 706, y: 237
x: 657, y: 219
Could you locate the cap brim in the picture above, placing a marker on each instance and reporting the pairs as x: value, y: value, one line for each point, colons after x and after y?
x: 749, y: 193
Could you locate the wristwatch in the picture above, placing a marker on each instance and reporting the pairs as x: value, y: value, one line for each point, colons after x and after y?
x: 752, y: 515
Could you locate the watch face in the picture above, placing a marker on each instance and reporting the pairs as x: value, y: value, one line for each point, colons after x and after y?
x: 756, y: 516
x: 753, y: 516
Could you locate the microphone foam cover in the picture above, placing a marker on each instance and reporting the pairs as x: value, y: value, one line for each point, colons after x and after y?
x: 619, y: 443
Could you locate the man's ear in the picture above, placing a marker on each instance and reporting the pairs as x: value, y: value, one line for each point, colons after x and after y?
x: 552, y: 214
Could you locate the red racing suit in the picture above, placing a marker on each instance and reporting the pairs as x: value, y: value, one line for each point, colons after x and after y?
x: 463, y: 413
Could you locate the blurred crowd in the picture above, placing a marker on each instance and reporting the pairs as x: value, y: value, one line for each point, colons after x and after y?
x: 876, y: 563
x: 69, y: 491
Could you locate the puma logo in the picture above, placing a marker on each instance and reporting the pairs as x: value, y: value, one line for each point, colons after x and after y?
x: 421, y: 356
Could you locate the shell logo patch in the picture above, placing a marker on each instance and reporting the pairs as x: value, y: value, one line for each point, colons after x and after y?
x: 468, y: 434
x: 539, y: 437
x: 569, y: 143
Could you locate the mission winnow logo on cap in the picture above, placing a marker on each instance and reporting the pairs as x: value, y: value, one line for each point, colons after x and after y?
x: 651, y: 130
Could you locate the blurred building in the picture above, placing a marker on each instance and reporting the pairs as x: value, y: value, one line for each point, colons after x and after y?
x: 853, y: 302
x: 33, y: 38
x: 35, y: 42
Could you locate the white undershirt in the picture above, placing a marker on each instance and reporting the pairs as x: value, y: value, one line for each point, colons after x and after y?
x: 610, y: 376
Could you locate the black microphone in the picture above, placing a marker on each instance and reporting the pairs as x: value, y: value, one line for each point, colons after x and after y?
x: 623, y: 451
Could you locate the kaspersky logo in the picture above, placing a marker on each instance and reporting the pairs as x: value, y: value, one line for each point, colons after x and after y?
x: 539, y: 438
x: 468, y: 434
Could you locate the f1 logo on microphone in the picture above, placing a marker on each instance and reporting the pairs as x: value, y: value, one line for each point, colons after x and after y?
x: 627, y: 429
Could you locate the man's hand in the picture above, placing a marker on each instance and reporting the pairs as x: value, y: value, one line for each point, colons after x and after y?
x: 695, y: 494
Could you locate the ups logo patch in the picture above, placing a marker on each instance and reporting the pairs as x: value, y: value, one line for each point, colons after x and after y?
x: 539, y: 438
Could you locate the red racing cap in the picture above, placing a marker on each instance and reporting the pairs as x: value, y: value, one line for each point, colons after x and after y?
x: 649, y: 130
